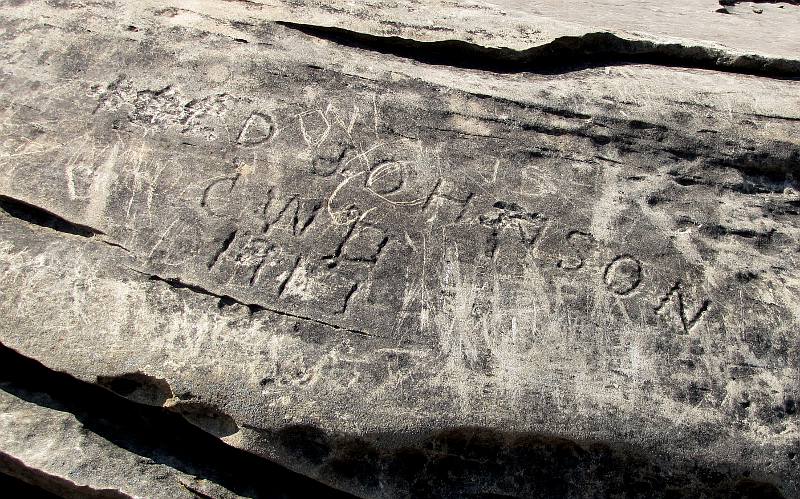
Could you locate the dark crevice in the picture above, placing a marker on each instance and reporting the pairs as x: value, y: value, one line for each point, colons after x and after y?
x: 36, y: 215
x: 19, y: 480
x: 23, y: 481
x: 734, y: 2
x: 563, y: 54
x: 39, y: 216
x: 114, y: 244
x: 154, y: 433
x: 227, y: 300
x: 13, y: 486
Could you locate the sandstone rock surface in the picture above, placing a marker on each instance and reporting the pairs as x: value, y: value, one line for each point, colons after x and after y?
x: 403, y: 248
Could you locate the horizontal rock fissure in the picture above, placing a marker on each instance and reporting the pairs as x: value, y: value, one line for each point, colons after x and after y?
x: 36, y: 215
x: 154, y: 433
x: 561, y: 55
x: 17, y: 487
x: 734, y: 2
x: 36, y: 483
x: 226, y: 300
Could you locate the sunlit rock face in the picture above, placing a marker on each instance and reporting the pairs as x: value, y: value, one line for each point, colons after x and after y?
x: 400, y: 248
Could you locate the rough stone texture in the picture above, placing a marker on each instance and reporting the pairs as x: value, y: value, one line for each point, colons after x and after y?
x: 79, y: 440
x: 52, y: 442
x: 410, y: 248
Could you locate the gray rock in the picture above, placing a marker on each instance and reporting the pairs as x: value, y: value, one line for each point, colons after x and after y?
x: 54, y: 445
x: 77, y: 439
x: 466, y: 251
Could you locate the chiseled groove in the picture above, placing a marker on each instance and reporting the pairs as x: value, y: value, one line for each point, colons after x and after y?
x: 155, y: 433
x: 561, y: 55
x: 177, y: 283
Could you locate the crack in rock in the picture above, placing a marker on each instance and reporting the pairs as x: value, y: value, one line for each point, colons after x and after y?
x: 36, y: 215
x: 561, y: 55
x: 157, y: 434
x: 226, y: 300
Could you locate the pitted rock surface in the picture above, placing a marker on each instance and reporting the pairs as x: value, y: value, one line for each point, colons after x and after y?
x: 409, y: 261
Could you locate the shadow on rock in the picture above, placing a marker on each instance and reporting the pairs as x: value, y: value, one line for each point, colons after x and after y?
x: 457, y: 462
